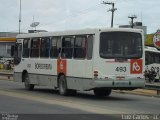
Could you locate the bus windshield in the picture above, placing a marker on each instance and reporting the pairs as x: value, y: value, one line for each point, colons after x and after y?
x: 126, y: 45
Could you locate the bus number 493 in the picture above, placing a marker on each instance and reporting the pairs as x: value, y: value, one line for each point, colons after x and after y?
x: 121, y: 69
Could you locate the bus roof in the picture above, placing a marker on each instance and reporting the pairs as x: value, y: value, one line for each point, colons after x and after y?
x: 75, y: 32
x: 151, y: 49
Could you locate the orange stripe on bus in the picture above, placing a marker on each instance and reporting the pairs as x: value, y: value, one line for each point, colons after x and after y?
x: 61, y: 66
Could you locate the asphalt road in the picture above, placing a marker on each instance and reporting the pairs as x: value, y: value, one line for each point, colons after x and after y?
x: 14, y: 99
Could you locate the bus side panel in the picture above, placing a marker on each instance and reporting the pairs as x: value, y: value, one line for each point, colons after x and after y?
x: 81, y: 75
x: 43, y: 72
x: 79, y: 83
x: 18, y: 70
x: 43, y: 80
x: 80, y: 72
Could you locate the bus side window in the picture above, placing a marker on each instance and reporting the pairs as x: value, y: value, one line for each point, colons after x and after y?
x: 156, y: 58
x: 146, y: 58
x: 26, y: 48
x: 80, y: 47
x: 67, y: 47
x: 35, y: 46
x: 151, y: 58
x: 17, y: 53
x: 55, y: 47
x: 45, y: 46
x: 89, y: 47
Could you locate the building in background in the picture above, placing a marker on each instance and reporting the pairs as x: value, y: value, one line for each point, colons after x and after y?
x: 5, y: 46
x: 139, y: 25
x: 7, y: 39
x: 150, y: 38
x: 136, y: 25
x: 8, y: 34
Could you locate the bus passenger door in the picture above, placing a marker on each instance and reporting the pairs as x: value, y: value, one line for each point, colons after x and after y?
x: 17, y: 62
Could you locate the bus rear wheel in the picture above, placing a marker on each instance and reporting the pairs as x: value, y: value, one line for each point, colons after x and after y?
x: 63, y: 86
x: 27, y: 84
x: 102, y: 92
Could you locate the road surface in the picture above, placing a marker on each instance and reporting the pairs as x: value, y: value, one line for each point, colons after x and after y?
x: 15, y: 99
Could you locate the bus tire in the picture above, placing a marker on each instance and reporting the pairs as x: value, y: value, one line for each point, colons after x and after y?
x: 102, y: 92
x: 27, y: 84
x: 63, y: 85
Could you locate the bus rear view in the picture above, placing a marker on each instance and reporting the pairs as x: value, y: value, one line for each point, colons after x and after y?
x: 119, y: 62
x: 81, y: 60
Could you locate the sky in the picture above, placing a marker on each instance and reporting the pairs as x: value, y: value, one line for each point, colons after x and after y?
x: 57, y: 15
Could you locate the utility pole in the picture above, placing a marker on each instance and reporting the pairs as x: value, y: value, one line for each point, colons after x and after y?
x: 132, y: 17
x: 112, y: 10
x: 19, y: 16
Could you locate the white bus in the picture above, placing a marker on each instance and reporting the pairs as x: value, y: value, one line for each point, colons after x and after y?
x: 89, y: 59
x: 152, y: 61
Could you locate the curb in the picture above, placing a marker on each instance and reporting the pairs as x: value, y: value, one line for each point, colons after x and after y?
x: 6, y: 78
x: 138, y: 93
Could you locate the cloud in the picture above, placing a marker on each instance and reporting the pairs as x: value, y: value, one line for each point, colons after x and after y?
x: 75, y: 14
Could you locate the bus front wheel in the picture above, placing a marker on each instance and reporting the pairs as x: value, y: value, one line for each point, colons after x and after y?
x: 27, y: 84
x: 102, y: 92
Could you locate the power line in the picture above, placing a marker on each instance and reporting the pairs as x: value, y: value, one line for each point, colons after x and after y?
x: 82, y: 12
